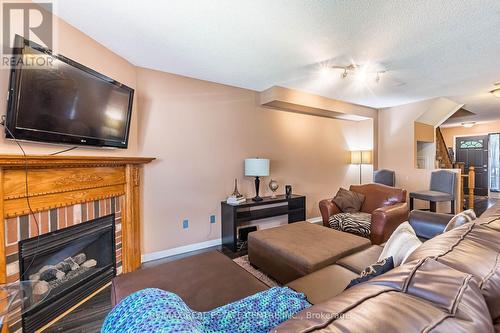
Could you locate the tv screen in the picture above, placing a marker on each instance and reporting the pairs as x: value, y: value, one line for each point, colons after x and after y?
x: 66, y: 102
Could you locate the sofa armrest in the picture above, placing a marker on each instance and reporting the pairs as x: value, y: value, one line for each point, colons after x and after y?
x: 328, y: 208
x: 428, y: 224
x: 386, y: 219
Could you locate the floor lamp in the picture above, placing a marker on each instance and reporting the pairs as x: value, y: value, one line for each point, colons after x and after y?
x: 360, y: 157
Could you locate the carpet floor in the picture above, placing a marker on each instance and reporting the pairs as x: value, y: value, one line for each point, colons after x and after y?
x: 244, y: 263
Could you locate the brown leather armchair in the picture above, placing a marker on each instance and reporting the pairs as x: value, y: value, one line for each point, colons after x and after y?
x: 386, y: 204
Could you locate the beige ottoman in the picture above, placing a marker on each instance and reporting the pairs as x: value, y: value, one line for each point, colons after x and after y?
x: 291, y: 251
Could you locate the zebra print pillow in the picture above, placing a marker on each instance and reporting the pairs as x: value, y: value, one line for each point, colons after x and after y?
x: 354, y: 223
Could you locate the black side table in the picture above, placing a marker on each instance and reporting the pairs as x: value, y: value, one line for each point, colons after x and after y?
x: 235, y: 215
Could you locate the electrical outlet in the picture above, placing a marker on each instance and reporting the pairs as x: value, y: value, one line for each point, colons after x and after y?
x: 185, y: 224
x: 212, y: 218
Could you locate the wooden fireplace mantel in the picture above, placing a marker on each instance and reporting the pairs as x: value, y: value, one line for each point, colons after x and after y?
x: 57, y: 181
x: 16, y: 161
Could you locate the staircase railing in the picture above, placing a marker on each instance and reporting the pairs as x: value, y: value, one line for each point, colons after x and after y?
x: 472, y: 183
x: 468, y: 178
x: 442, y: 154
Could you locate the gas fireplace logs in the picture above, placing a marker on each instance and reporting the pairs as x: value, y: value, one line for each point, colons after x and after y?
x: 51, y: 276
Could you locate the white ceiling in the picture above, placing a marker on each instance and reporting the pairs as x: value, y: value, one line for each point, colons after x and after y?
x: 430, y: 48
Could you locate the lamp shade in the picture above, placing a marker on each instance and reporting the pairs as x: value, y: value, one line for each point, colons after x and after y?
x: 361, y: 157
x: 356, y: 157
x: 366, y: 157
x: 256, y: 167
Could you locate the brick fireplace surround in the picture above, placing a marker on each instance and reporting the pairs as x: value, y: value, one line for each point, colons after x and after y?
x: 64, y: 191
x: 24, y: 226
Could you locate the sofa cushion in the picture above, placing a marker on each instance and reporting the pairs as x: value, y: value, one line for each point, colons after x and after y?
x: 354, y: 223
x: 358, y: 261
x: 473, y: 248
x: 324, y: 284
x: 432, y: 196
x: 426, y: 224
x: 374, y: 270
x: 291, y: 251
x: 401, y: 300
x: 348, y: 201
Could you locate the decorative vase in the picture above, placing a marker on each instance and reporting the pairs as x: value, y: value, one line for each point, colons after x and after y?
x: 273, y: 186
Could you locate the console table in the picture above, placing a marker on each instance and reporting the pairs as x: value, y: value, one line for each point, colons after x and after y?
x: 234, y: 216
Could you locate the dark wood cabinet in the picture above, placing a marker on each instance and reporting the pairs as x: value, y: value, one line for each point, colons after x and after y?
x: 234, y: 216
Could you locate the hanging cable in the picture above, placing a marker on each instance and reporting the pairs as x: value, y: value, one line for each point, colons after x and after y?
x: 63, y: 151
x: 32, y: 213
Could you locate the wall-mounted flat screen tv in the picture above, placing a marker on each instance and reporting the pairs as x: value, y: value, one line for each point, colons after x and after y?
x: 65, y: 102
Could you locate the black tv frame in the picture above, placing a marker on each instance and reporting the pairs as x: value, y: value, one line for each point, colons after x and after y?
x: 49, y: 137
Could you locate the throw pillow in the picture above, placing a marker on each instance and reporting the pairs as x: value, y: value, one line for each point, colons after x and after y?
x: 401, y: 244
x: 470, y: 213
x: 460, y: 219
x: 348, y: 201
x: 379, y: 268
x: 354, y: 223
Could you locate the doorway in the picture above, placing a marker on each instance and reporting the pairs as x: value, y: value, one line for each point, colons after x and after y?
x: 494, y: 162
x: 473, y: 151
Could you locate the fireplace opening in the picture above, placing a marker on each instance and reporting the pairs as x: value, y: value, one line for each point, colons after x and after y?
x: 66, y: 266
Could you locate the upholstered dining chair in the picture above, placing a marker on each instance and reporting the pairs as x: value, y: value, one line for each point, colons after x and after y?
x: 442, y: 189
x: 385, y: 177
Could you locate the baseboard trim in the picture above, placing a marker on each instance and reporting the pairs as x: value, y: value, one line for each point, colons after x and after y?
x: 180, y: 250
x: 315, y: 220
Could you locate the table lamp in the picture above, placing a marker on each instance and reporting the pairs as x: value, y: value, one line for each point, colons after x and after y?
x: 257, y: 167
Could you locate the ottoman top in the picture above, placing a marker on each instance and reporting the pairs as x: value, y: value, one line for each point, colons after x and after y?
x: 307, y: 245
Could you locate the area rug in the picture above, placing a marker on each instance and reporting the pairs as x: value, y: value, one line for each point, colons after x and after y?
x: 245, y: 264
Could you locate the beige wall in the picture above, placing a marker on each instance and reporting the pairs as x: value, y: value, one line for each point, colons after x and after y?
x: 303, y: 102
x: 201, y: 132
x: 396, y: 140
x: 449, y: 133
x: 77, y: 46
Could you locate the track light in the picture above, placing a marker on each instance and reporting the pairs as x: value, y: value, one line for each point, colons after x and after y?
x: 496, y: 92
x: 360, y: 72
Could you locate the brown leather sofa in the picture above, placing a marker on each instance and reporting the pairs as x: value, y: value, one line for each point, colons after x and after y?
x: 451, y: 283
x: 386, y: 204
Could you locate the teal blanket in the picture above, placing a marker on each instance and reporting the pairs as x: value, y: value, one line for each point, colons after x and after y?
x: 155, y: 310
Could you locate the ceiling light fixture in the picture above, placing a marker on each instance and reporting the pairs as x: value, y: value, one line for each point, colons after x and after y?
x: 469, y: 124
x: 358, y: 71
x: 496, y: 91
